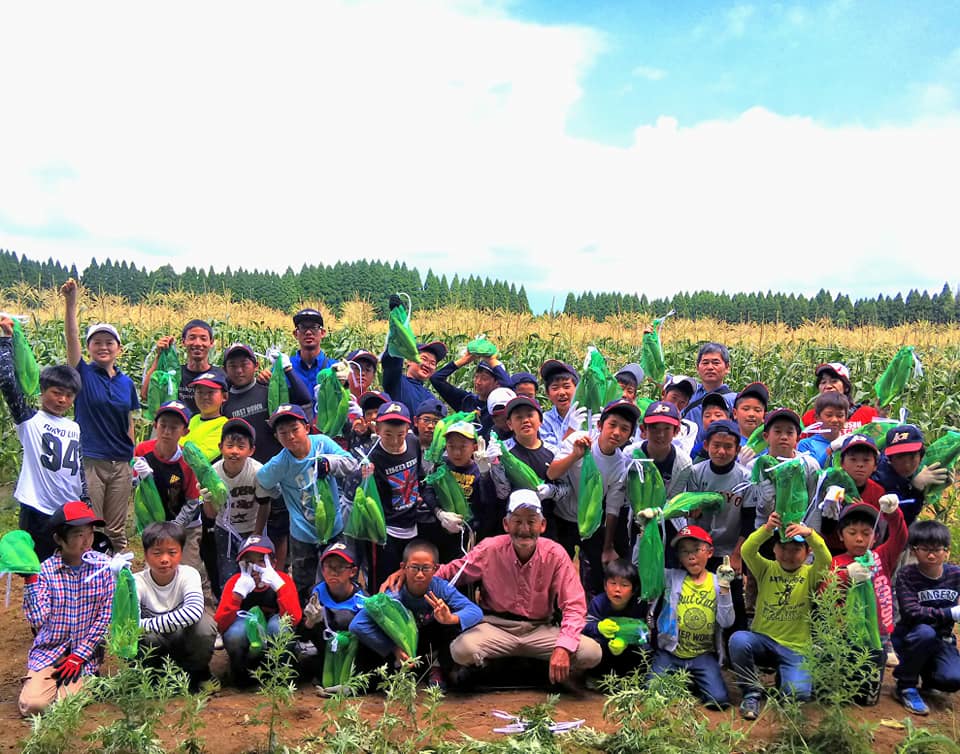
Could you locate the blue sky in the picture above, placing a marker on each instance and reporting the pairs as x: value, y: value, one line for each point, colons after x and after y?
x: 643, y: 147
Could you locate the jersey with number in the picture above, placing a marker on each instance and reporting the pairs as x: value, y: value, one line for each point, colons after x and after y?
x: 52, y: 463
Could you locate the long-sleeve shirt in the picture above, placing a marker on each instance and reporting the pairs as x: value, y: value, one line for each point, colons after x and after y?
x: 784, y: 597
x: 921, y: 599
x: 552, y: 428
x: 463, y: 400
x: 174, y: 606
x: 367, y: 630
x: 526, y: 591
x: 69, y: 613
x: 612, y: 468
x: 734, y: 519
x: 284, y: 601
x: 399, y: 386
x: 902, y: 487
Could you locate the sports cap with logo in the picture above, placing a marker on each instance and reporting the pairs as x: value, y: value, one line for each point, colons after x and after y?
x: 662, y: 412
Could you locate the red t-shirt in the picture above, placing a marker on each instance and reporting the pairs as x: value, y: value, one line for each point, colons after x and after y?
x: 175, y: 480
x: 864, y: 414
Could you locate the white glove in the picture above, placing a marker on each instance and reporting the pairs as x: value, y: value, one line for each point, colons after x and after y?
x: 342, y: 370
x: 746, y: 455
x: 858, y: 573
x: 245, y: 584
x: 725, y: 573
x: 932, y: 474
x: 889, y: 503
x: 832, y: 502
x: 312, y: 612
x: 955, y: 613
x: 575, y: 418
x: 269, y: 575
x: 546, y: 491
x: 649, y: 513
x: 838, y: 443
x: 142, y: 468
x: 480, y: 455
x: 272, y: 353
x: 451, y: 522
x: 285, y: 362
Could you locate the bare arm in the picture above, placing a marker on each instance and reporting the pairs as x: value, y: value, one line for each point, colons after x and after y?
x: 71, y: 329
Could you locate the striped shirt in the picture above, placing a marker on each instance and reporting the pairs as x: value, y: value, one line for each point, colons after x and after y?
x: 169, y: 608
x: 70, y: 615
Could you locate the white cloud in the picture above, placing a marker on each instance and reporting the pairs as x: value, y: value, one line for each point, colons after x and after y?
x: 649, y: 73
x: 432, y: 133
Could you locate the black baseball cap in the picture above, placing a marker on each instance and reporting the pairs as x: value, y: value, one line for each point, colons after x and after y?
x: 438, y: 349
x: 372, y: 399
x: 754, y: 390
x: 239, y: 425
x: 307, y: 315
x: 553, y: 367
x: 431, y: 406
x: 627, y: 409
x: 239, y: 349
x: 521, y: 377
x: 713, y: 398
x: 522, y: 400
x: 722, y: 426
x: 784, y: 413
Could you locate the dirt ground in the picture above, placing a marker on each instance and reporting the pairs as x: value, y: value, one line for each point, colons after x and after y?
x: 229, y: 729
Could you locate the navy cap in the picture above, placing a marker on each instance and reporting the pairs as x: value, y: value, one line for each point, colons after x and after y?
x: 625, y: 408
x: 858, y: 441
x: 211, y: 380
x: 173, y: 407
x: 522, y: 400
x: 722, y: 426
x: 713, y: 398
x: 754, y: 390
x: 339, y: 550
x: 286, y: 409
x: 438, y: 349
x: 239, y: 425
x: 256, y: 543
x: 431, y: 406
x: 361, y: 355
x: 239, y: 349
x: 782, y: 413
x: 521, y: 377
x: 307, y: 315
x: 553, y: 367
x: 393, y: 411
x: 372, y: 399
x: 904, y: 438
x: 661, y: 412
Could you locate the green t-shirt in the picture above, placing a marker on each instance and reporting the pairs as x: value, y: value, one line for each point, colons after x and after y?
x: 696, y: 618
x: 205, y: 434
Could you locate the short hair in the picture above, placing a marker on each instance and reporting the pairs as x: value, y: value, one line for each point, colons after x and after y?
x: 857, y: 517
x: 626, y: 379
x: 421, y: 545
x: 712, y: 347
x: 280, y: 421
x: 196, y: 323
x: 929, y: 532
x: 831, y: 399
x: 237, y: 436
x: 62, y: 376
x: 160, y: 531
x: 560, y: 374
x: 621, y: 568
x: 623, y: 415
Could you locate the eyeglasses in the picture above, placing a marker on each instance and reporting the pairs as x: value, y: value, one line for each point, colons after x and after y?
x: 336, y: 570
x: 421, y: 568
x: 309, y: 328
x: 930, y: 550
x: 684, y: 551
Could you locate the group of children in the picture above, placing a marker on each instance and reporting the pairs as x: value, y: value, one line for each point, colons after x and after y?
x: 739, y: 582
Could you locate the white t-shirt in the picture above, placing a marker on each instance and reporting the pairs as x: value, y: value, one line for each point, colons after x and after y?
x: 52, y: 469
x: 612, y: 468
x: 165, y: 609
x: 240, y: 513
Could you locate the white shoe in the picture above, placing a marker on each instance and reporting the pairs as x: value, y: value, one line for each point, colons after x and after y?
x: 218, y: 642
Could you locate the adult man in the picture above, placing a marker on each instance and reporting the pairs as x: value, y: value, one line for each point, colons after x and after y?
x: 524, y: 578
x: 196, y: 340
x: 713, y: 364
x: 310, y: 358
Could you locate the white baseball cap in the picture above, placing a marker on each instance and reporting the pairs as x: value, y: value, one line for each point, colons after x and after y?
x: 524, y: 499
x: 499, y: 398
x: 103, y: 327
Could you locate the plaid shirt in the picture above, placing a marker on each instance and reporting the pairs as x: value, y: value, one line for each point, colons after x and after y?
x: 68, y: 614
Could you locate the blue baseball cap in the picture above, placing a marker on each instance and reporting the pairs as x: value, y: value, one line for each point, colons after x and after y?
x: 394, y: 411
x: 662, y: 412
x: 722, y: 426
x: 904, y: 438
x: 173, y: 407
x: 431, y: 406
x: 519, y: 378
x: 859, y: 441
x: 284, y: 410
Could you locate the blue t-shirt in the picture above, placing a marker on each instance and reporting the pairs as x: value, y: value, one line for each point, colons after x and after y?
x: 816, y: 445
x: 102, y: 409
x: 308, y: 372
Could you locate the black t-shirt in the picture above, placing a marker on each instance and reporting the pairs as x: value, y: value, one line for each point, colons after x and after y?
x: 398, y: 477
x: 250, y: 403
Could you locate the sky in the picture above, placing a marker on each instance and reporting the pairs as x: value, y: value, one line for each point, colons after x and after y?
x: 648, y: 147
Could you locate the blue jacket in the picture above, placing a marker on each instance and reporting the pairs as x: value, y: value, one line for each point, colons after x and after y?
x: 902, y: 487
x: 400, y: 387
x: 816, y: 445
x: 463, y: 400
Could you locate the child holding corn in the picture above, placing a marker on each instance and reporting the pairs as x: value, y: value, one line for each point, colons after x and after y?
x: 619, y: 599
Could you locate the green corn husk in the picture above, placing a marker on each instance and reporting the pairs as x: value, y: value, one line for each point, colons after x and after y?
x: 480, y: 346
x: 147, y: 505
x: 623, y: 633
x: 24, y: 362
x: 595, y: 388
x: 759, y: 472
x: 338, y: 663
x: 643, y: 404
x: 278, y: 391
x: 438, y: 444
x: 650, y: 562
x: 790, y: 481
x: 164, y: 382
x: 590, y: 500
x: 255, y: 624
x: 366, y: 520
x: 895, y: 377
x: 688, y: 501
x: 395, y: 620
x: 17, y: 553
x: 449, y: 493
x: 645, y: 488
x: 333, y: 403
x: 206, y: 476
x: 518, y: 472
x: 401, y: 341
x: 755, y: 442
x: 837, y: 477
x: 944, y: 451
x: 651, y: 353
x: 324, y: 511
x: 125, y: 616
x: 863, y: 623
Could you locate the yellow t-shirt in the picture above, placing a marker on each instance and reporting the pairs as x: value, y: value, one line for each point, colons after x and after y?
x: 696, y: 618
x: 205, y: 434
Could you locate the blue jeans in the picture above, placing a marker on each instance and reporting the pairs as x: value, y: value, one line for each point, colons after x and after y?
x: 925, y: 655
x: 237, y: 644
x: 749, y: 649
x: 704, y: 671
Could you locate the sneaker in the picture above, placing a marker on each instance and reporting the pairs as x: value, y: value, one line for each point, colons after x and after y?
x: 218, y: 642
x: 750, y: 707
x: 892, y: 660
x: 911, y: 700
x: 436, y: 679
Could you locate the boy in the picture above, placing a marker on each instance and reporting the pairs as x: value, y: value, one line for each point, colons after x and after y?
x: 442, y: 613
x: 205, y: 427
x: 924, y: 638
x: 358, y: 384
x: 780, y: 633
x: 363, y: 432
x: 488, y: 376
x: 524, y: 383
x: 408, y: 387
x: 559, y: 506
x: 858, y: 524
x: 304, y: 461
x: 629, y: 378
x: 171, y: 604
x: 104, y: 409
x: 678, y: 389
x: 425, y: 419
x: 781, y: 431
x: 749, y: 407
x: 496, y: 406
x: 696, y: 607
x: 713, y: 408
x: 196, y: 339
x: 560, y: 380
x: 619, y: 599
x: 618, y: 421
x: 248, y: 504
x: 257, y: 585
x: 68, y: 606
x: 831, y: 410
x: 899, y: 470
x: 52, y: 469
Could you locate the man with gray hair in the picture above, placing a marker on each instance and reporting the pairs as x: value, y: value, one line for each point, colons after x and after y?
x: 713, y: 365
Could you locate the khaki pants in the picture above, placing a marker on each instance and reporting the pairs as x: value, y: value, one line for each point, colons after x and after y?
x: 500, y: 637
x: 108, y: 483
x: 40, y: 690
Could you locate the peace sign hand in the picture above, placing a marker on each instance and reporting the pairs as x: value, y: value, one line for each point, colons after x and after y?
x: 441, y: 611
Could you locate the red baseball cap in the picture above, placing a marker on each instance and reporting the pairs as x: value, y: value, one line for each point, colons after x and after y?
x: 74, y: 513
x: 692, y: 532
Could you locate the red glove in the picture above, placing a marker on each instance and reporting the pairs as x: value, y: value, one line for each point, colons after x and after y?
x: 69, y: 670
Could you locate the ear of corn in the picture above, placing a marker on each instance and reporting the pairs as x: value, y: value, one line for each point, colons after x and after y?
x: 688, y: 501
x: 164, y: 383
x: 206, y: 476
x: 449, y: 493
x: 333, y: 403
x: 395, y: 620
x: 590, y: 499
x: 24, y: 362
x: 651, y: 354
x: 147, y: 505
x: 480, y: 346
x: 278, y: 392
x: 17, y: 554
x: 944, y: 451
x: 518, y: 472
x: 645, y: 487
x: 324, y: 511
x: 401, y: 341
x: 439, y: 441
x: 338, y: 663
x: 863, y: 623
x: 255, y: 624
x: 755, y: 442
x: 650, y: 561
x: 597, y: 387
x: 623, y: 633
x: 125, y: 616
x: 895, y: 377
x: 835, y: 476
x: 366, y: 520
x: 790, y: 480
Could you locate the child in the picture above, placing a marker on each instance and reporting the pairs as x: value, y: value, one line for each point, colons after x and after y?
x: 425, y: 420
x: 629, y: 378
x: 171, y: 604
x: 205, y: 427
x: 52, y: 468
x: 678, y: 389
x: 524, y: 416
x: 525, y: 383
x: 363, y: 431
x: 749, y: 407
x: 304, y: 461
x: 697, y: 606
x: 781, y: 432
x: 924, y: 638
x: 442, y: 613
x: 619, y: 599
x: 68, y: 607
x: 831, y: 410
x: 560, y: 380
x: 899, y: 470
x: 780, y: 633
x: 714, y: 408
x: 858, y: 525
x: 835, y: 377
x: 257, y: 585
x: 248, y: 504
x: 496, y: 406
x: 488, y: 376
x: 618, y: 421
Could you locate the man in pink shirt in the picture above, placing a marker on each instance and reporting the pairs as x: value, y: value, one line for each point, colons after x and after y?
x: 523, y: 577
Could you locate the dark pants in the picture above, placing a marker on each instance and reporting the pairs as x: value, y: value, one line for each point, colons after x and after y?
x: 565, y: 533
x: 208, y: 554
x: 304, y: 567
x: 37, y: 525
x: 740, y: 622
x: 384, y: 560
x: 228, y: 546
x: 705, y: 675
x: 434, y: 639
x: 924, y: 655
x: 591, y: 555
x: 748, y: 650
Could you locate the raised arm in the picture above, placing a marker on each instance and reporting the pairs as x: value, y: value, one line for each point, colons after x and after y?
x: 71, y: 329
